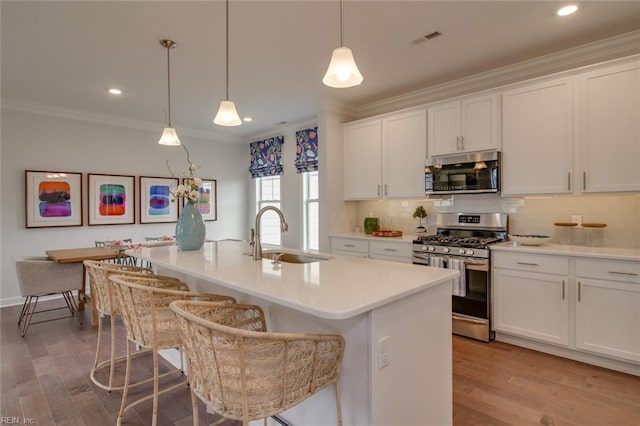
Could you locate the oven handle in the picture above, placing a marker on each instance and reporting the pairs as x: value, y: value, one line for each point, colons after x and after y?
x: 474, y: 265
x: 455, y: 317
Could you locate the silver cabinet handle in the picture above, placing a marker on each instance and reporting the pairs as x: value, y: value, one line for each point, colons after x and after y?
x: 386, y: 189
x: 457, y: 143
x: 378, y: 190
x: 388, y: 249
x: 569, y: 181
x: 632, y: 274
x: 348, y: 245
x: 461, y: 143
x: 584, y: 181
x: 527, y: 263
x: 579, y: 290
x: 562, y: 289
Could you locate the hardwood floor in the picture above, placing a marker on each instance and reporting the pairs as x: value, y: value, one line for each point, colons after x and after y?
x: 45, y: 377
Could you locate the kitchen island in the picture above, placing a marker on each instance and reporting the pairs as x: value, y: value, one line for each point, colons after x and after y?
x: 395, y: 318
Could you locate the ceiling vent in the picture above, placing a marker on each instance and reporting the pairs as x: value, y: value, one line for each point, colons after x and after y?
x: 427, y: 37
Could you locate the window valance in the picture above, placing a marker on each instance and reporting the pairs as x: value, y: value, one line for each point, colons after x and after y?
x: 307, y: 150
x: 266, y: 157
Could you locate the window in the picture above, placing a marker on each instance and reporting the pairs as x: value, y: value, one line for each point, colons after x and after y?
x: 310, y: 211
x: 268, y: 194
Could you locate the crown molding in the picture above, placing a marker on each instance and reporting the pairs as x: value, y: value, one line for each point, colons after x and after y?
x: 109, y: 120
x: 607, y: 49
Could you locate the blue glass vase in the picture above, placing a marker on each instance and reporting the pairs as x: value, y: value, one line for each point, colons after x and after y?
x: 190, y: 229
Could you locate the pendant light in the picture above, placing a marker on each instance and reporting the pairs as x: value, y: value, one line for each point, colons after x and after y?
x: 227, y: 114
x: 343, y: 71
x: 169, y: 135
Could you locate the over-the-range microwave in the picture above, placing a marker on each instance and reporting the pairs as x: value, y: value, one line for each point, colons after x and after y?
x: 477, y: 172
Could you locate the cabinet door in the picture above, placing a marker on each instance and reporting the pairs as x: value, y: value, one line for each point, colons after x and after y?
x: 479, y: 123
x: 608, y: 318
x: 444, y: 129
x: 404, y: 153
x: 610, y: 129
x: 395, y: 251
x: 530, y: 304
x: 537, y: 138
x: 363, y: 160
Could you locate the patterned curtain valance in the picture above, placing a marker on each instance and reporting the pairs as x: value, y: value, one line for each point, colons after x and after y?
x: 307, y: 150
x: 266, y: 157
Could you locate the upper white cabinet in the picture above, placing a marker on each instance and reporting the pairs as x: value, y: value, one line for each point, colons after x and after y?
x: 537, y: 138
x: 384, y: 157
x: 609, y: 128
x: 465, y: 125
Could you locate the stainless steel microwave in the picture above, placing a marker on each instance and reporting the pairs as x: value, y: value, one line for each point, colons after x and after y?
x: 463, y: 173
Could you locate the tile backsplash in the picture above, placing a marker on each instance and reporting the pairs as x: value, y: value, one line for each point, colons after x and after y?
x: 527, y: 215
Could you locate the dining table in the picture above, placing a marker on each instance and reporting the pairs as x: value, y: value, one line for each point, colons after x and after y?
x: 77, y: 255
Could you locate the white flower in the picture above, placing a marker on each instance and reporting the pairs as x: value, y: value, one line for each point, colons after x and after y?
x: 189, y: 188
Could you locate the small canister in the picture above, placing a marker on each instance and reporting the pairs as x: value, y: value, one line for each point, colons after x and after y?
x: 595, y: 234
x: 564, y: 232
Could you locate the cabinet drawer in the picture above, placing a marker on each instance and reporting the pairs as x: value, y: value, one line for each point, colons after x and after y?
x: 391, y: 248
x: 531, y: 262
x: 614, y: 270
x: 350, y: 244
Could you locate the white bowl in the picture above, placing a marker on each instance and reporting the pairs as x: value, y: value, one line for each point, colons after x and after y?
x: 530, y: 240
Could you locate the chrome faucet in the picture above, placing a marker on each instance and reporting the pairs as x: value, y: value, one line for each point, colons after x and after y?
x: 255, y: 234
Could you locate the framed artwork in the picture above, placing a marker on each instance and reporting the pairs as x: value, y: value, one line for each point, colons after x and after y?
x: 155, y: 200
x: 53, y: 199
x: 111, y: 199
x: 206, y: 202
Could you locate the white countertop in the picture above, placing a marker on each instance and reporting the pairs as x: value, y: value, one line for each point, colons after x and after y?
x: 406, y: 238
x: 616, y: 253
x: 338, y: 288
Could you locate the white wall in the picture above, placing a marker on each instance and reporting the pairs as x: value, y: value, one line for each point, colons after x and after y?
x: 40, y: 142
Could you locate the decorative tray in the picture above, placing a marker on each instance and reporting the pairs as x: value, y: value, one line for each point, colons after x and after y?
x: 529, y: 240
x: 387, y: 233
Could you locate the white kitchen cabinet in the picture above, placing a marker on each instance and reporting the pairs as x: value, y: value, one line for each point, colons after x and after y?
x: 608, y: 308
x: 609, y: 129
x: 395, y: 251
x: 530, y: 296
x: 465, y: 125
x: 357, y: 247
x: 537, y: 138
x: 385, y: 157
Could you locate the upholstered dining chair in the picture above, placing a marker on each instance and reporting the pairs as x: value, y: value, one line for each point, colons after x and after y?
x: 41, y: 276
x: 150, y: 324
x: 107, y: 305
x: 243, y: 372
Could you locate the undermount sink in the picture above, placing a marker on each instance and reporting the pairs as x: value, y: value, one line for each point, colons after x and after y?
x: 291, y: 257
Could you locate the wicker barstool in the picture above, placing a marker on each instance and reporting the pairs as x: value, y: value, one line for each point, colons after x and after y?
x: 107, y: 305
x: 150, y: 324
x: 243, y: 372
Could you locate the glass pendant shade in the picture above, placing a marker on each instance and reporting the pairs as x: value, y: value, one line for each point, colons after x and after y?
x: 227, y: 114
x: 169, y: 137
x: 343, y: 71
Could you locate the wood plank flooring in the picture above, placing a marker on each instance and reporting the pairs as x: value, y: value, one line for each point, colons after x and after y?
x: 45, y: 377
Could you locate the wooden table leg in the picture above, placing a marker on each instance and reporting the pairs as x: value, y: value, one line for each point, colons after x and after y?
x: 82, y: 298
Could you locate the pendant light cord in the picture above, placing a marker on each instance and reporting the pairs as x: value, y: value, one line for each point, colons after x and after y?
x: 169, y: 85
x: 227, y: 47
x: 341, y: 22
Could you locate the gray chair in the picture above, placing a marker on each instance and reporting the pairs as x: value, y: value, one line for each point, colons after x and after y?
x: 41, y: 276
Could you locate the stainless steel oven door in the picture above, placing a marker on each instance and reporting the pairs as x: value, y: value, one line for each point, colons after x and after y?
x: 472, y: 313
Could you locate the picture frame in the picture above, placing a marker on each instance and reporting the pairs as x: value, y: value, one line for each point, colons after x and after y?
x: 207, y: 202
x: 53, y: 199
x: 155, y: 200
x: 112, y: 199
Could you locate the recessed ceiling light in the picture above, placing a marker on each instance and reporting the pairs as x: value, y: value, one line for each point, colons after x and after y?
x: 567, y: 10
x: 247, y: 119
x: 115, y: 91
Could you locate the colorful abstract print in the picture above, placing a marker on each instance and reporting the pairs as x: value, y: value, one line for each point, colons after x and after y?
x: 307, y: 150
x: 203, y: 203
x: 266, y: 157
x: 55, y: 199
x: 159, y: 200
x: 112, y: 200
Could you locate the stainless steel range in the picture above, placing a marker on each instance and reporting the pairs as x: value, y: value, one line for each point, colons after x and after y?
x: 462, y: 242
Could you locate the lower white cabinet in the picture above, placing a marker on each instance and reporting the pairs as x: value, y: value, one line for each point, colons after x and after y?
x: 585, y: 304
x: 395, y: 251
x: 608, y: 308
x: 528, y: 301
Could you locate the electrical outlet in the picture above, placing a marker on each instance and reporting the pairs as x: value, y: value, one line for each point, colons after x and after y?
x: 383, y: 352
x: 576, y: 218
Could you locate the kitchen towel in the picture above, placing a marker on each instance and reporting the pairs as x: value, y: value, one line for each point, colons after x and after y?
x: 459, y: 286
x: 436, y: 262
